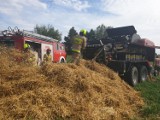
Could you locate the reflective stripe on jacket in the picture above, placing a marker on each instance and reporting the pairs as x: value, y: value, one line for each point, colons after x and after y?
x: 77, y: 51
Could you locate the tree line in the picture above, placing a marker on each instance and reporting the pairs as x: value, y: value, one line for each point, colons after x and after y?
x: 93, y: 34
x: 48, y: 30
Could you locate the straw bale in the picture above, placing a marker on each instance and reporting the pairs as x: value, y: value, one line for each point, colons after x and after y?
x: 89, y: 91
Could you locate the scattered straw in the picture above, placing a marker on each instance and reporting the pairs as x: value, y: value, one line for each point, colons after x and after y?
x: 89, y: 91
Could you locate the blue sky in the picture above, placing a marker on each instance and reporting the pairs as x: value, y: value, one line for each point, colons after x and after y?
x: 63, y: 14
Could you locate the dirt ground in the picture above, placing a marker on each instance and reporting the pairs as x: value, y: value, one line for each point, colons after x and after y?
x: 89, y: 91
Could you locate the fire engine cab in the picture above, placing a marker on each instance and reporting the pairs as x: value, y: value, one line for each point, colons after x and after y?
x: 39, y: 43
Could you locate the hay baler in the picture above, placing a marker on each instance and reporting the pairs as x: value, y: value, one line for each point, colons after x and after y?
x: 125, y: 52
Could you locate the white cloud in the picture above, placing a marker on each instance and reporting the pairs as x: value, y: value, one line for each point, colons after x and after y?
x: 10, y: 7
x: 34, y: 4
x: 75, y: 4
x: 19, y: 12
x: 143, y: 14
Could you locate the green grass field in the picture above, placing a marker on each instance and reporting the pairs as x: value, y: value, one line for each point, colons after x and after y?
x: 69, y: 58
x: 150, y: 92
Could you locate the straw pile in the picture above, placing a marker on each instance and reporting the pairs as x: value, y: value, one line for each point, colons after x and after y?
x: 63, y: 91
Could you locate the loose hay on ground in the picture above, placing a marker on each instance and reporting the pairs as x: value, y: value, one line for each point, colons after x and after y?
x: 86, y: 92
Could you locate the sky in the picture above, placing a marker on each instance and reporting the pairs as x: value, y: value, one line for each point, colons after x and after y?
x: 83, y: 14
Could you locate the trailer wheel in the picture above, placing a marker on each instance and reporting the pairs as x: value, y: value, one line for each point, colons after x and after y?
x: 143, y: 74
x: 133, y: 76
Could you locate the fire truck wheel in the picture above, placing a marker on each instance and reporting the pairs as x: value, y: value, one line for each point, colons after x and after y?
x: 62, y: 60
x: 133, y: 76
x: 143, y: 74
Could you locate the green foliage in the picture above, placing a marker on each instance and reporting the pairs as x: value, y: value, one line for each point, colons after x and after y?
x: 150, y: 91
x: 72, y: 32
x: 91, y: 35
x: 68, y: 39
x: 48, y: 30
x: 99, y: 33
x: 69, y: 58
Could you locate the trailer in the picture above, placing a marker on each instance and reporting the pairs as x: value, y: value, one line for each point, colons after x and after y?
x: 124, y: 51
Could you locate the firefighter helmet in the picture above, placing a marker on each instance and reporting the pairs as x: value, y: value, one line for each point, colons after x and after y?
x: 83, y: 32
x: 26, y: 45
x: 48, y: 49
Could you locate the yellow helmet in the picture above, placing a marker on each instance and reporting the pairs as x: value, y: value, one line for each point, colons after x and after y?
x: 83, y: 31
x: 26, y: 45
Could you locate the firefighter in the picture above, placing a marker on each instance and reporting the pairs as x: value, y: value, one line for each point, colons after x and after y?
x: 47, y: 57
x: 29, y: 56
x: 78, y: 46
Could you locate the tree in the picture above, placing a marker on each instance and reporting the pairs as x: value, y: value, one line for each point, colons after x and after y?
x: 49, y: 31
x: 101, y: 32
x: 91, y: 35
x: 68, y: 39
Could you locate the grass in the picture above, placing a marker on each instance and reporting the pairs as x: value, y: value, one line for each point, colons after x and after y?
x: 150, y: 91
x: 69, y: 58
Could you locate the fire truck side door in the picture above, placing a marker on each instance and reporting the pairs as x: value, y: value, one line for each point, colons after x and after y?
x: 44, y: 47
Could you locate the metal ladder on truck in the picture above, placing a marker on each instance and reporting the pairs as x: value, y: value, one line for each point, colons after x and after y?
x: 16, y: 31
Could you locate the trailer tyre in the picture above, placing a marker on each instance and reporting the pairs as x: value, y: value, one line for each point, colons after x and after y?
x: 133, y: 76
x: 143, y: 74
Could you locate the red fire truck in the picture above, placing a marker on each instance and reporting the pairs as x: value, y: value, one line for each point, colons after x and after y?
x: 39, y: 43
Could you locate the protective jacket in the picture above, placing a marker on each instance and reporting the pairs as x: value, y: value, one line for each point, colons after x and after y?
x: 30, y: 58
x: 47, y: 58
x: 79, y: 42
